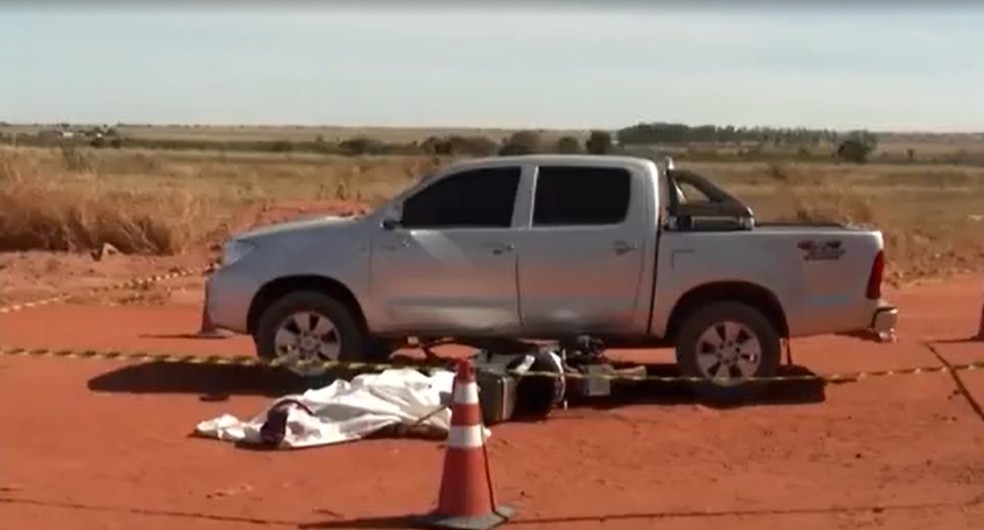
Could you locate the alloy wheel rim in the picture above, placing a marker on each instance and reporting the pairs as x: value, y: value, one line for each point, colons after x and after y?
x: 728, y: 353
x: 305, y: 341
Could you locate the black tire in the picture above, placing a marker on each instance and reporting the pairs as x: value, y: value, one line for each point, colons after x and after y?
x: 710, y: 315
x: 353, y: 338
x: 536, y: 395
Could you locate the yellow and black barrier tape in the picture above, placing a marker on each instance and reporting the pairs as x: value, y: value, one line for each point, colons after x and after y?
x: 137, y: 282
x: 244, y: 360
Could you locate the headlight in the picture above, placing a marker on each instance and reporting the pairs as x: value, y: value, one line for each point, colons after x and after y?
x: 234, y: 251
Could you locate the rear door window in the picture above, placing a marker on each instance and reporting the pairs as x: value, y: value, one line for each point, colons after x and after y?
x: 579, y: 196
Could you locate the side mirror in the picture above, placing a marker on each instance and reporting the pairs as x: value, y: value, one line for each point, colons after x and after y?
x: 390, y: 223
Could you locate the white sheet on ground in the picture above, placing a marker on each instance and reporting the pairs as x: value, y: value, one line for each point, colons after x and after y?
x: 346, y: 411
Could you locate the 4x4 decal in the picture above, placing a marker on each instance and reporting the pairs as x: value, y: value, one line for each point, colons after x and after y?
x: 821, y: 250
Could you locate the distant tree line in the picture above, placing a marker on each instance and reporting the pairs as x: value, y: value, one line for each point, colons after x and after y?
x: 680, y: 134
x: 521, y: 142
x: 701, y: 142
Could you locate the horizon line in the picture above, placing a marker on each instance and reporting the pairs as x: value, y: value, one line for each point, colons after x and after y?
x: 287, y: 125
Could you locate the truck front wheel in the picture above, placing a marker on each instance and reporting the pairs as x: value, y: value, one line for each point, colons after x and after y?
x: 307, y: 329
x: 725, y: 345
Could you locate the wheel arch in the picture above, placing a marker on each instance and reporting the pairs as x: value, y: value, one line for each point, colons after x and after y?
x: 748, y: 293
x: 279, y: 287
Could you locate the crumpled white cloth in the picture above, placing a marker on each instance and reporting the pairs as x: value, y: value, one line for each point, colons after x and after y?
x: 346, y: 411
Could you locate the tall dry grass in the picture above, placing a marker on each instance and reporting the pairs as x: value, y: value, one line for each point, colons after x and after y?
x: 147, y: 202
x: 73, y: 209
x: 820, y: 202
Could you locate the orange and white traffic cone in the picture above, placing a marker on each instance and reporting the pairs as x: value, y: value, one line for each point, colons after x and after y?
x: 467, y: 497
x: 207, y: 329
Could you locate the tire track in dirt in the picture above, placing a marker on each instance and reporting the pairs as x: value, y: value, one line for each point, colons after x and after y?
x: 834, y: 510
x: 961, y: 386
x: 395, y: 522
x: 150, y: 512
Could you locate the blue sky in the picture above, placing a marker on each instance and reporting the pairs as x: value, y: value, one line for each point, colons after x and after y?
x: 511, y: 67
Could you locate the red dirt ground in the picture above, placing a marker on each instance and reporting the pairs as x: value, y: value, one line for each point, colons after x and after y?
x: 101, y: 444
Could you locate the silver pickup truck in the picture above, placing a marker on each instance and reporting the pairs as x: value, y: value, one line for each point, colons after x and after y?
x: 551, y: 247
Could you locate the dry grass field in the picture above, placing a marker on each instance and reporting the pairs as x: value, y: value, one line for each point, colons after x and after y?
x: 168, y: 202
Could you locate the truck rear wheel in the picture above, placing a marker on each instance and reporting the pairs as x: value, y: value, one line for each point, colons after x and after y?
x: 725, y: 344
x: 307, y: 329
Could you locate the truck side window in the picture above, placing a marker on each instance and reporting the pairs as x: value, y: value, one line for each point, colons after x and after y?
x: 571, y: 195
x: 476, y: 198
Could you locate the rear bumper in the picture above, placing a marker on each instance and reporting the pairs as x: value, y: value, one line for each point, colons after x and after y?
x: 885, y: 318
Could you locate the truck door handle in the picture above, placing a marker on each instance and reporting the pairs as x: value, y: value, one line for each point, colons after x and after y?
x: 502, y: 249
x: 621, y: 247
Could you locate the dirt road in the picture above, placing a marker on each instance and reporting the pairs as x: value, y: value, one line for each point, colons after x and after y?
x: 98, y: 444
